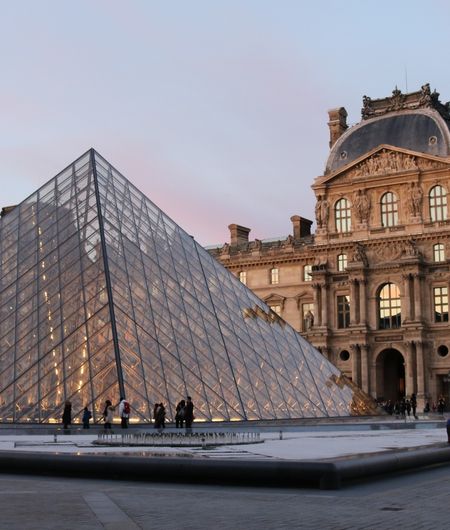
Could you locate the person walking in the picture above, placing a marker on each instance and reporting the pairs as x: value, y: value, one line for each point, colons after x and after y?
x: 108, y: 414
x: 179, y: 414
x: 189, y: 414
x: 67, y: 415
x: 87, y: 415
x: 124, y: 412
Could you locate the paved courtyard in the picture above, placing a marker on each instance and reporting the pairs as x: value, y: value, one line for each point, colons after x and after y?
x: 412, y: 501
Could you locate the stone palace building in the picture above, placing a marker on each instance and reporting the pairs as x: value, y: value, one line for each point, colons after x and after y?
x: 370, y: 287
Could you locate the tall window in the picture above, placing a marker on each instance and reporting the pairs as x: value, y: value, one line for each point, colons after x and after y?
x: 440, y: 299
x: 274, y: 276
x: 342, y: 262
x: 389, y: 209
x: 342, y: 216
x: 438, y: 204
x: 389, y: 307
x: 307, y: 269
x: 438, y: 252
x: 343, y: 311
x: 307, y: 316
x: 243, y: 277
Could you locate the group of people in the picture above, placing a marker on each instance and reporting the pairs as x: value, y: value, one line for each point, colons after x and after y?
x: 404, y: 407
x: 184, y: 414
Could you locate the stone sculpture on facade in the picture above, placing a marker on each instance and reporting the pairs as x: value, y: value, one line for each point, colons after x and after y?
x: 361, y: 205
x: 322, y: 211
x: 309, y: 320
x: 359, y: 255
x: 415, y: 197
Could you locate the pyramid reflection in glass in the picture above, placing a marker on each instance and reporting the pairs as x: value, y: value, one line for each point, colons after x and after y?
x: 103, y: 295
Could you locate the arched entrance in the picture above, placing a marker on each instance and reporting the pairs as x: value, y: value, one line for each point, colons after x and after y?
x: 390, y: 375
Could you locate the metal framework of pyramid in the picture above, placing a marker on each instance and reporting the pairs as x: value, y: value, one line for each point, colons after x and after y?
x: 103, y: 295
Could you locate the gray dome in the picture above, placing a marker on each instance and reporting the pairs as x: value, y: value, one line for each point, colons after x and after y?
x: 422, y: 130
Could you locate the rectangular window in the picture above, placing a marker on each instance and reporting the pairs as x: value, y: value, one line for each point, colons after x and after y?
x: 307, y: 269
x: 343, y: 311
x: 243, y: 277
x: 276, y: 309
x: 440, y: 298
x: 274, y: 276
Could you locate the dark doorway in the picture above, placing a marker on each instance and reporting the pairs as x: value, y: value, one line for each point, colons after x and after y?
x: 390, y: 375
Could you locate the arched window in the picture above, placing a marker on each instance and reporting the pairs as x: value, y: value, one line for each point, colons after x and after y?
x: 389, y: 307
x: 438, y: 252
x: 342, y: 216
x: 389, y: 209
x: 341, y: 262
x: 438, y: 204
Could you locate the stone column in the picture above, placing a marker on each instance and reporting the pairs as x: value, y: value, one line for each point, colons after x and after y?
x: 365, y: 367
x: 417, y: 298
x: 353, y: 301
x: 407, y: 299
x: 355, y: 364
x: 409, y: 369
x: 362, y: 302
x: 420, y: 374
x: 324, y: 304
x: 317, y: 319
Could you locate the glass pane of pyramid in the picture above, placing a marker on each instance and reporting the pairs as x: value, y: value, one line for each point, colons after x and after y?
x: 104, y: 295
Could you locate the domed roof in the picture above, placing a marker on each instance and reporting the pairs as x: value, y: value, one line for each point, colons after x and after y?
x: 425, y: 129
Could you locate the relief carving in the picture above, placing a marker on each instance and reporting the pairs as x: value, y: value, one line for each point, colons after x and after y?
x: 385, y: 162
x: 388, y: 252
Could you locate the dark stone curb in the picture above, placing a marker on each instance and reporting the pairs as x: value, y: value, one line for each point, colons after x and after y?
x: 329, y: 474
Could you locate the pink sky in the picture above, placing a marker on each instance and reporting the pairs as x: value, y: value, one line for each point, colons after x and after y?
x: 217, y: 111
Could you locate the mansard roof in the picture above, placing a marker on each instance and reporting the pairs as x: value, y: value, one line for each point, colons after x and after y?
x: 417, y: 121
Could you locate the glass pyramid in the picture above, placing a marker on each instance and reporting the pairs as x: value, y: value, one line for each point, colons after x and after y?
x: 103, y: 295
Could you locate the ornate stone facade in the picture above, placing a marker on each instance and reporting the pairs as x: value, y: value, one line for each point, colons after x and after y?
x: 370, y: 287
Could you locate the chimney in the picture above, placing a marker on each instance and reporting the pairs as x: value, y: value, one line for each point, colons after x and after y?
x: 238, y: 235
x: 301, y: 227
x: 337, y: 124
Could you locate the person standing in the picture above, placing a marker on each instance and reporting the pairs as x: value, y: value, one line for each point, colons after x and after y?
x: 67, y: 415
x: 155, y: 414
x: 160, y: 421
x: 108, y: 414
x: 87, y: 415
x: 189, y: 414
x: 414, y: 405
x: 124, y: 412
x: 179, y: 414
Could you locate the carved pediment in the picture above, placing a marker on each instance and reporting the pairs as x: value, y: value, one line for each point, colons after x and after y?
x: 385, y: 160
